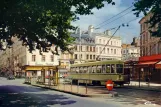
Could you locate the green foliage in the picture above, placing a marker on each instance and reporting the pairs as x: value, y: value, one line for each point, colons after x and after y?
x: 153, y: 7
x: 42, y: 22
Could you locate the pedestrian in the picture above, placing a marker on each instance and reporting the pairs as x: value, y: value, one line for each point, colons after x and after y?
x: 147, y: 79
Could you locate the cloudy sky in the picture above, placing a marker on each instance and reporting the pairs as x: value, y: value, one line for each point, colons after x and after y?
x: 100, y: 16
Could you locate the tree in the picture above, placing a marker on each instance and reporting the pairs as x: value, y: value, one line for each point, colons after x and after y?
x: 153, y: 7
x: 41, y: 23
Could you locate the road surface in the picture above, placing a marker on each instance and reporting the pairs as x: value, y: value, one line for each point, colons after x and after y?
x: 15, y: 94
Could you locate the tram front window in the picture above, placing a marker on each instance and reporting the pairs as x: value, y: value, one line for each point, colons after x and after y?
x: 119, y: 68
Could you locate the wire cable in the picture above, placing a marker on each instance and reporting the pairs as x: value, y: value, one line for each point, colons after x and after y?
x: 108, y: 42
x: 115, y: 15
x: 116, y: 19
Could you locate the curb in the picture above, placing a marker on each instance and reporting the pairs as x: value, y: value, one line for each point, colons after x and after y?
x: 114, y: 94
x: 77, y: 94
x: 144, y: 89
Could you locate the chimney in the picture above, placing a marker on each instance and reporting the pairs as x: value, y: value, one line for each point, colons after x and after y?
x: 90, y: 30
x: 108, y: 32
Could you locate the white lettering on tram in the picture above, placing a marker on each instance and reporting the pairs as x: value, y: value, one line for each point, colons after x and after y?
x: 109, y: 85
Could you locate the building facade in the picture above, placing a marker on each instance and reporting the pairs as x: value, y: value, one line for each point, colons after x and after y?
x: 148, y: 45
x: 90, y: 45
x: 131, y: 51
x: 150, y: 50
x: 15, y: 58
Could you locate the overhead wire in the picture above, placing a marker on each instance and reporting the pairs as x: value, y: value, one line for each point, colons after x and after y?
x: 118, y: 27
x: 116, y: 19
x: 107, y: 42
x: 115, y: 16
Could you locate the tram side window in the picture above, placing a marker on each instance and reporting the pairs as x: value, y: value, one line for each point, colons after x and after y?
x: 113, y: 69
x: 89, y: 69
x: 77, y: 70
x: 85, y: 69
x: 99, y: 69
x: 103, y: 68
x: 93, y: 69
x: 81, y: 70
x: 119, y: 68
x: 108, y: 68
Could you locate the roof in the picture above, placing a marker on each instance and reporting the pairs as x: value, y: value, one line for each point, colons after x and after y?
x: 94, y: 35
x: 99, y: 63
x: 145, y: 16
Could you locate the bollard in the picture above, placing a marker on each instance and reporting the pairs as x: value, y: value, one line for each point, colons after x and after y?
x: 78, y: 87
x: 64, y: 85
x: 58, y: 85
x: 86, y: 86
x: 71, y: 86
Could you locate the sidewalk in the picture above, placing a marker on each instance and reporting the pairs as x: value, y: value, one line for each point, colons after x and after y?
x: 144, y: 86
x: 80, y: 90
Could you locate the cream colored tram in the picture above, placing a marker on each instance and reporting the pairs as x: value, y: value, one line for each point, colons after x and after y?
x: 97, y: 73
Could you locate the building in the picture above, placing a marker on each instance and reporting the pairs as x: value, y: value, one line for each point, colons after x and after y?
x: 89, y: 46
x: 18, y: 57
x: 131, y: 51
x: 150, y: 51
x: 148, y: 45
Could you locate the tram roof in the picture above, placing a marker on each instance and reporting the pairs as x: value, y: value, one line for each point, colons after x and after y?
x: 98, y: 63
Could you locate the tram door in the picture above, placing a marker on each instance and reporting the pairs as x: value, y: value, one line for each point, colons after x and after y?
x: 127, y: 72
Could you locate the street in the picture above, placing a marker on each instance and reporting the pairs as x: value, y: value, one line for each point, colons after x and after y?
x: 16, y: 94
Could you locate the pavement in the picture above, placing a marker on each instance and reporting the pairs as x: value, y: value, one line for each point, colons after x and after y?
x: 13, y: 93
x: 144, y: 86
x: 81, y: 91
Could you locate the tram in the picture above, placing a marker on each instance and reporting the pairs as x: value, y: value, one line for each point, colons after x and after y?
x: 98, y: 72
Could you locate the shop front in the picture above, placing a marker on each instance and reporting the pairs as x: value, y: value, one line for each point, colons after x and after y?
x: 42, y: 73
x: 150, y: 68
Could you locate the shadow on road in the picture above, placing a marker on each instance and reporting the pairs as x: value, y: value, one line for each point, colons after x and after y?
x: 15, y: 96
x: 19, y: 89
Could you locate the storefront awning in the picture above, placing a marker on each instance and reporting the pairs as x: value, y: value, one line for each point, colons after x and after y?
x: 147, y: 63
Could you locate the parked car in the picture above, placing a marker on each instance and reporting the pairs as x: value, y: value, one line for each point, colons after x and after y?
x: 11, y: 77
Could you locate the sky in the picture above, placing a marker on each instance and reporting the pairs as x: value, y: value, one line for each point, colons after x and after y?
x: 100, y: 16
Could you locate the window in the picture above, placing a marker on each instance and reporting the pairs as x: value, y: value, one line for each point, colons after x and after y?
x: 108, y: 68
x: 87, y: 56
x: 76, y: 56
x: 43, y: 58
x: 33, y: 58
x: 111, y: 50
x: 111, y: 42
x: 93, y: 56
x: 93, y: 49
x: 80, y: 48
x: 119, y: 68
x: 90, y: 56
x: 90, y: 48
x: 52, y: 58
x: 107, y: 50
x: 87, y: 48
x: 113, y: 68
x: 114, y: 51
x: 76, y: 48
x: 141, y: 28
